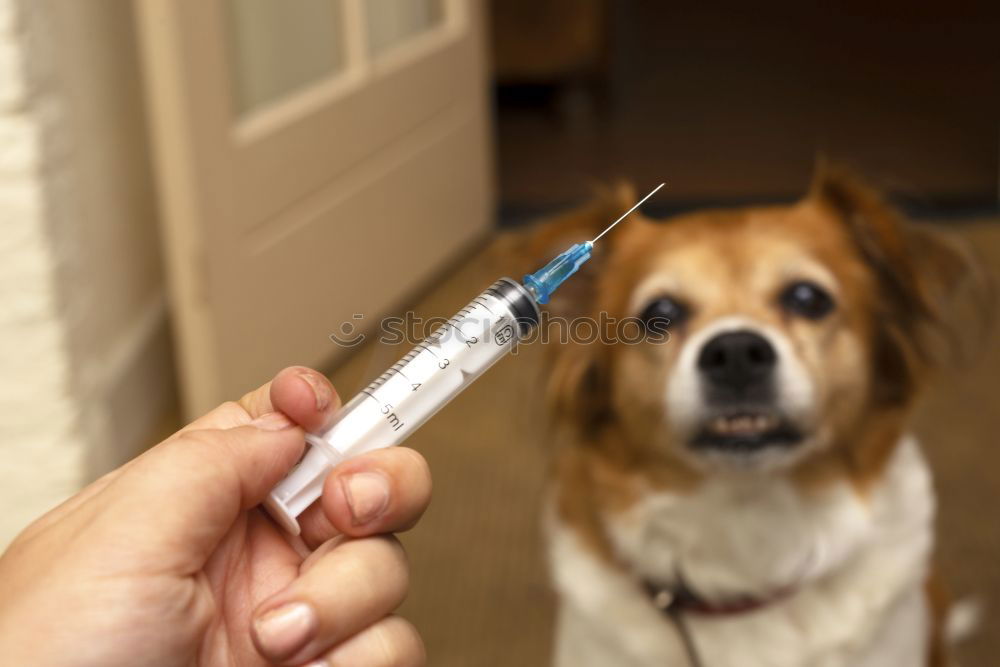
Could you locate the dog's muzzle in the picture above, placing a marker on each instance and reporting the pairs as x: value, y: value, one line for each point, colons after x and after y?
x: 738, y: 371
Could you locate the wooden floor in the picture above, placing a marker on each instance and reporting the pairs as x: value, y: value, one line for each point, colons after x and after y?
x: 480, y: 593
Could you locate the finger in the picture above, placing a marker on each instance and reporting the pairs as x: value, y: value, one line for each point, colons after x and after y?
x: 392, y: 642
x: 306, y: 396
x: 187, y: 491
x: 303, y: 394
x: 349, y: 588
x: 384, y: 491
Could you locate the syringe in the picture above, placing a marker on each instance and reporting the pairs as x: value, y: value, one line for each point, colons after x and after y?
x: 410, y: 392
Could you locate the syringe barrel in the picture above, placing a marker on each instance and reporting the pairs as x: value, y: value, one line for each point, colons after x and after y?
x: 410, y: 392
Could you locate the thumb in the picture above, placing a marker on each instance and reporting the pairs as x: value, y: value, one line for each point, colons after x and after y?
x: 185, y: 493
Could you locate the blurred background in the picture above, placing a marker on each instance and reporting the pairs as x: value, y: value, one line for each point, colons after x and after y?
x: 196, y: 194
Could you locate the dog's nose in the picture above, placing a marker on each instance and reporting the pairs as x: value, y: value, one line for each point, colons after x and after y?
x: 737, y: 359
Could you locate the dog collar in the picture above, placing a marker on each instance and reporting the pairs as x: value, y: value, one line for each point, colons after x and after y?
x: 681, y: 599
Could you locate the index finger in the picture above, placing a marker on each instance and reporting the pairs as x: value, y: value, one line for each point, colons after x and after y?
x: 303, y: 394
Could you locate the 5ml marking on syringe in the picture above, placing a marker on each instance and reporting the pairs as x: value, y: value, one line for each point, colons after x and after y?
x: 394, y: 421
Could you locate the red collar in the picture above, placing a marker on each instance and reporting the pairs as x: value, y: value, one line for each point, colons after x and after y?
x: 682, y: 599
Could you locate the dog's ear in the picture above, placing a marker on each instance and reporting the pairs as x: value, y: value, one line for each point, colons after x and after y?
x: 923, y: 275
x: 957, y: 288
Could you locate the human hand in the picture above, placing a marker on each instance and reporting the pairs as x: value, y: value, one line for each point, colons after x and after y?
x: 168, y: 561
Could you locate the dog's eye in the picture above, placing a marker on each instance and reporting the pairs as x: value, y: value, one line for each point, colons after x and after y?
x: 663, y: 312
x: 807, y: 299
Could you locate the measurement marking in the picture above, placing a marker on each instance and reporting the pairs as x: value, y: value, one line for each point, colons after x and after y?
x: 464, y: 338
x: 423, y: 346
x: 399, y: 372
x: 484, y: 305
x: 499, y: 297
x: 395, y: 423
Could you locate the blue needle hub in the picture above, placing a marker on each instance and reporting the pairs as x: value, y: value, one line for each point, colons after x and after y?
x: 543, y: 283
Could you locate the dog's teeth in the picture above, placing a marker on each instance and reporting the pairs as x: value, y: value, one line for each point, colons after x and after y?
x: 743, y: 424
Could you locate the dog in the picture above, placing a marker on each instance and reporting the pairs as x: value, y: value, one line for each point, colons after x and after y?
x: 742, y: 489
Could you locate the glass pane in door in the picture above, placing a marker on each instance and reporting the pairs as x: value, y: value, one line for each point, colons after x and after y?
x: 279, y: 46
x: 391, y: 22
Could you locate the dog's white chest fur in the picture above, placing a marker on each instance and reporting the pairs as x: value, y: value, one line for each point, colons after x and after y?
x: 856, y: 566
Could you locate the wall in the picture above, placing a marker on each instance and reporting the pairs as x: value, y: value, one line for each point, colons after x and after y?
x: 85, y: 343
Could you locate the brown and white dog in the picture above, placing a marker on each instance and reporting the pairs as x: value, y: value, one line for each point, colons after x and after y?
x: 748, y: 493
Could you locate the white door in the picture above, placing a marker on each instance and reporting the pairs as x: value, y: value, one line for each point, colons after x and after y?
x: 316, y: 159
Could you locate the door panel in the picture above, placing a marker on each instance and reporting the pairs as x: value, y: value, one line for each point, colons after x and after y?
x: 273, y: 51
x: 391, y: 23
x: 299, y: 192
x: 384, y: 109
